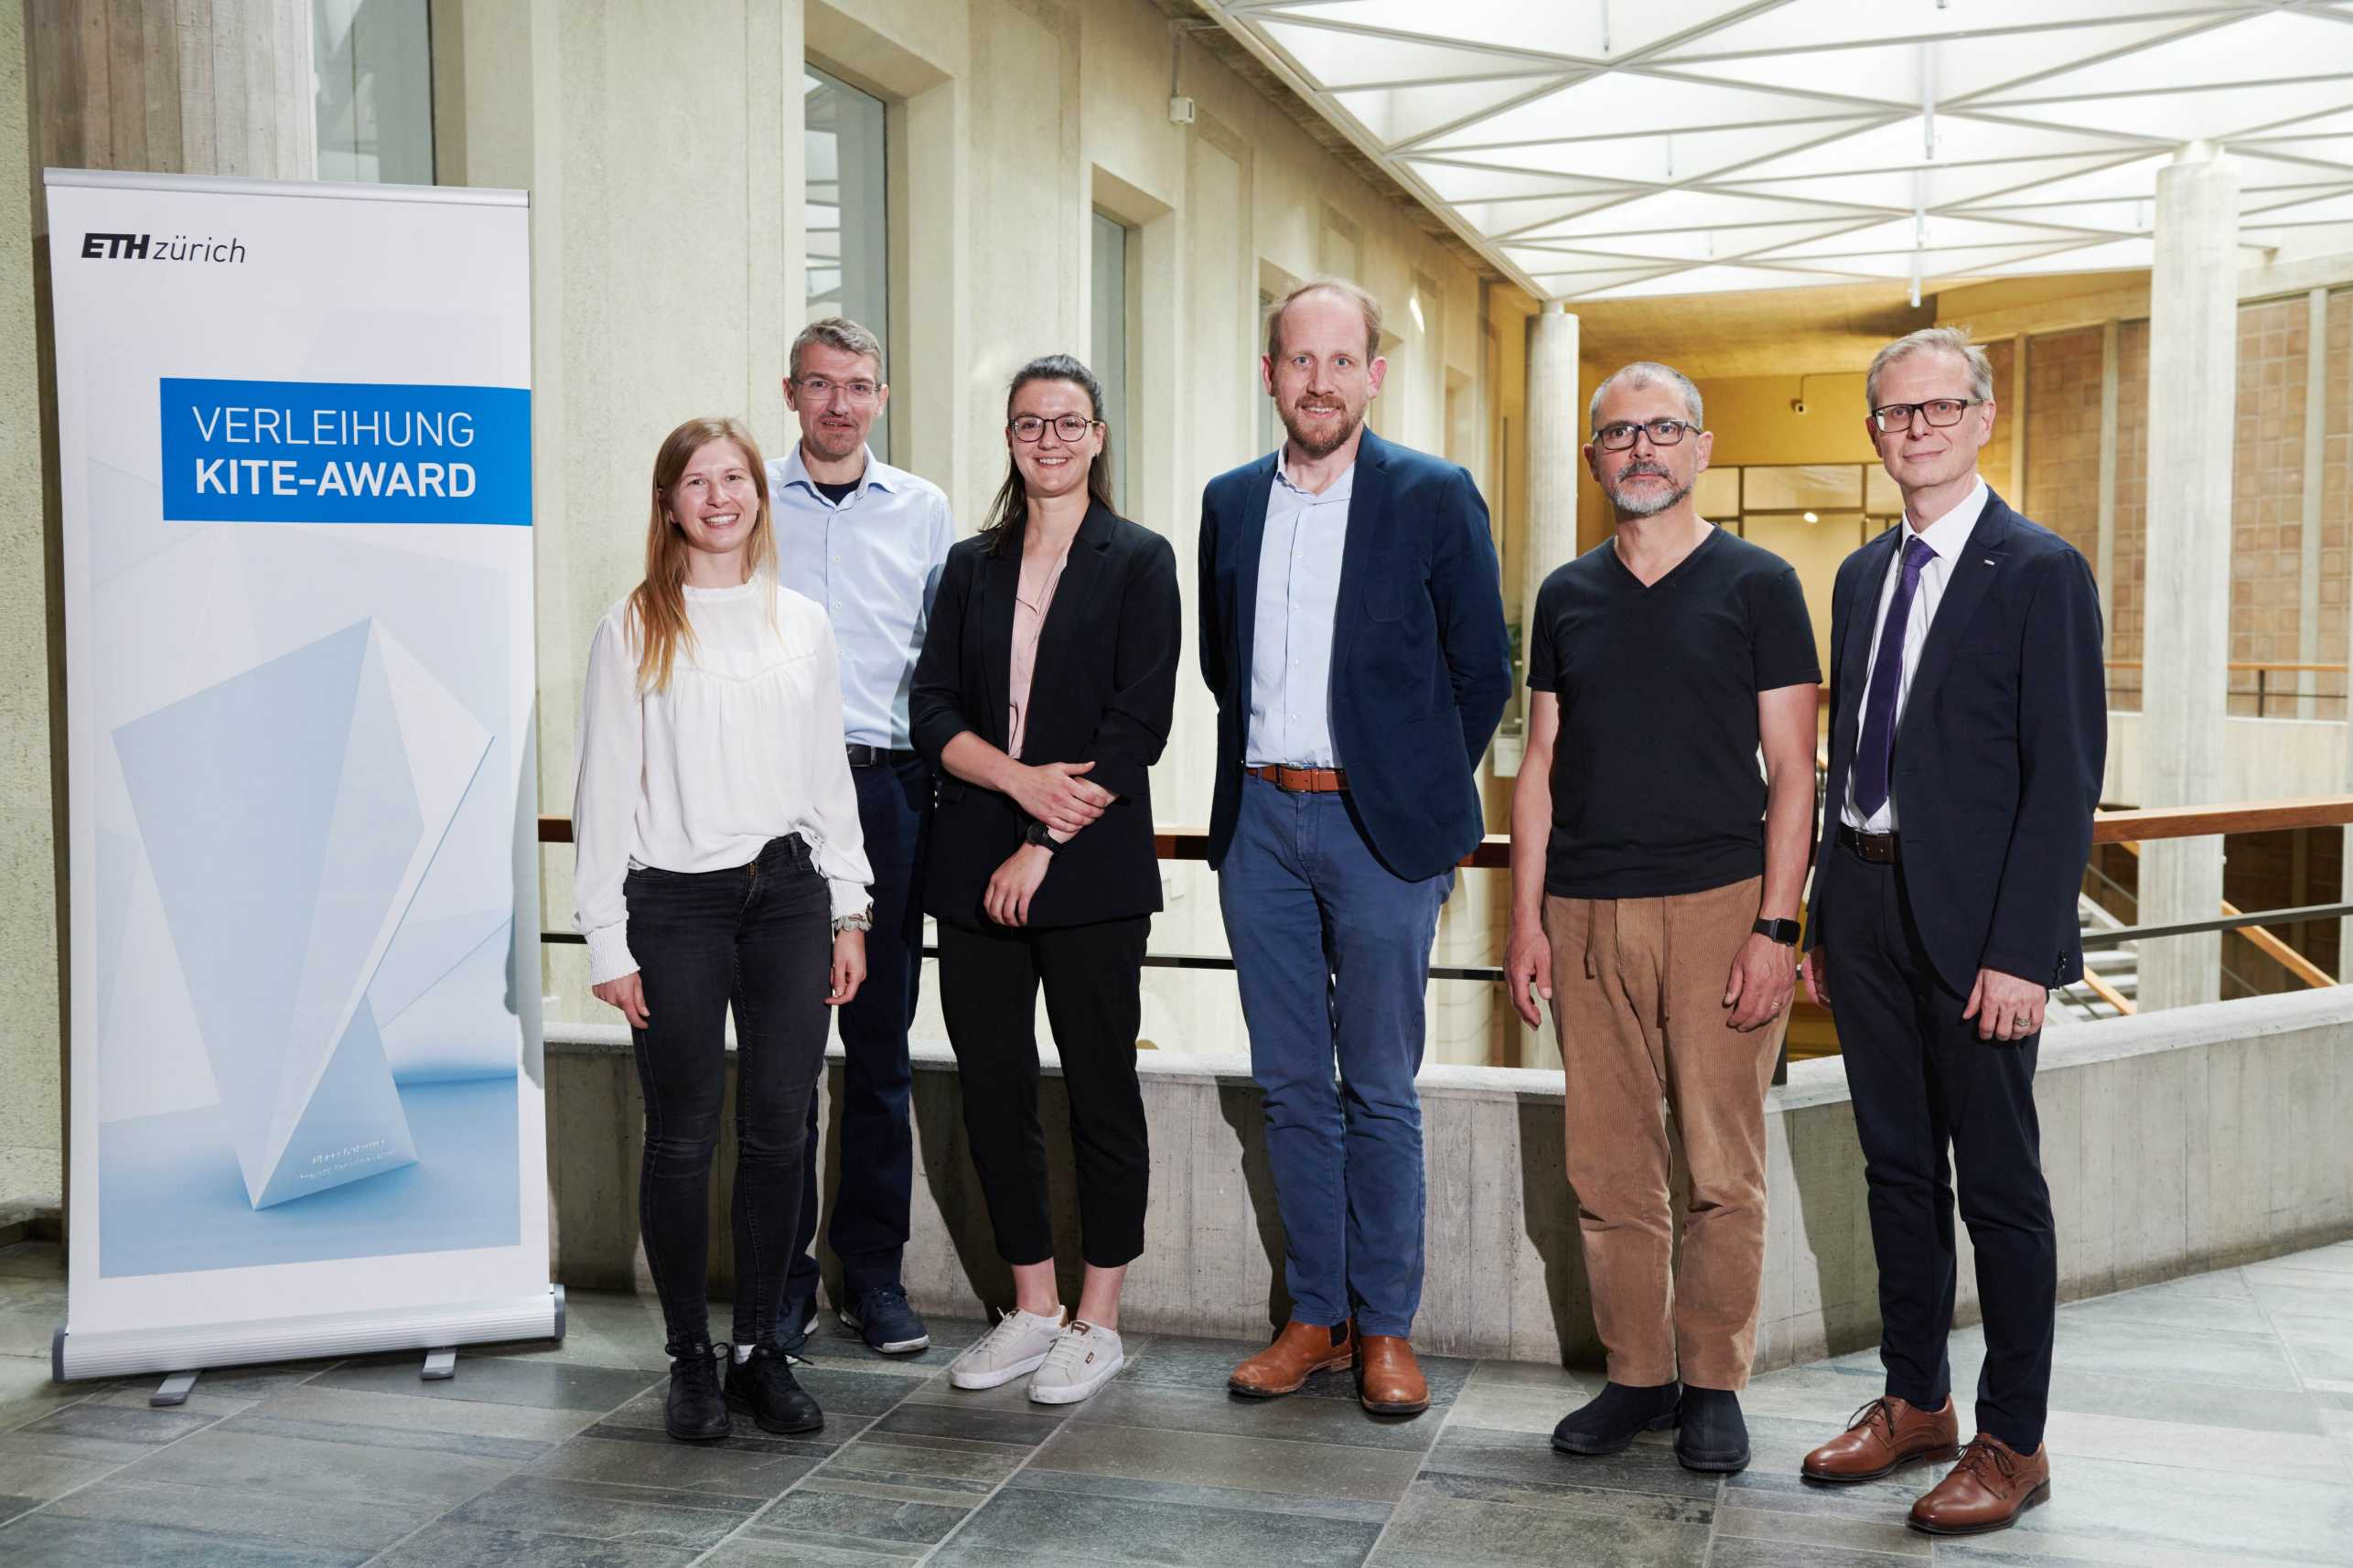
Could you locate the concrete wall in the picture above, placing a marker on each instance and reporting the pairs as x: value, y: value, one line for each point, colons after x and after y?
x: 32, y: 1107
x: 2262, y: 759
x: 2175, y: 1143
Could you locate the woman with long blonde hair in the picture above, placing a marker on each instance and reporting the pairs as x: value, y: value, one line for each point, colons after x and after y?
x: 720, y: 865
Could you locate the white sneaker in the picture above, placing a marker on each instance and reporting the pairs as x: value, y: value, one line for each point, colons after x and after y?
x: 1082, y: 1360
x: 1015, y: 1347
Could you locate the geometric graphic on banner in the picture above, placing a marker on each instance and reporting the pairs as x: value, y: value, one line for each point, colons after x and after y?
x: 348, y: 754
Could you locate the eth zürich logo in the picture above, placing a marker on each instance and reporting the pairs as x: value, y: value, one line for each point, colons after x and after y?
x: 104, y: 247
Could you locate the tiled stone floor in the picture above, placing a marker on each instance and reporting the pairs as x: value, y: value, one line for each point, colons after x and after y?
x: 2202, y: 1423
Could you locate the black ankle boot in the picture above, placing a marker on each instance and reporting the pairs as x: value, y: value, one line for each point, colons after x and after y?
x: 1615, y: 1417
x: 1711, y: 1437
x: 694, y: 1411
x: 764, y: 1389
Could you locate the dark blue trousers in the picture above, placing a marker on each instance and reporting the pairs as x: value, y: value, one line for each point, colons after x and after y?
x: 868, y: 1230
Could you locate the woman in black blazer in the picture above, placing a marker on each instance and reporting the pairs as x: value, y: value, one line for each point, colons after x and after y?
x: 1043, y: 697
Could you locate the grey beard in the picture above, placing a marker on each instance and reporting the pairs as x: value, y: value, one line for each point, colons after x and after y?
x: 1647, y: 505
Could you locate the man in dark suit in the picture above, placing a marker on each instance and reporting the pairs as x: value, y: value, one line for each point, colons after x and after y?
x: 1352, y: 633
x: 1968, y: 739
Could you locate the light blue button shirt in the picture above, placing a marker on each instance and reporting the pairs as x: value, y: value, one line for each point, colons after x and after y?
x: 873, y: 562
x: 1290, y: 647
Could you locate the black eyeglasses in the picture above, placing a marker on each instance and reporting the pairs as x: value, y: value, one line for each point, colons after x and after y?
x: 1662, y: 432
x: 1068, y: 426
x: 1939, y: 411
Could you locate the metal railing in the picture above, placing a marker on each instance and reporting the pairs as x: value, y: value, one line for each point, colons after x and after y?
x: 2265, y: 687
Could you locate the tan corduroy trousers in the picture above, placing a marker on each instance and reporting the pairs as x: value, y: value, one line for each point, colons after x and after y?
x: 1638, y: 998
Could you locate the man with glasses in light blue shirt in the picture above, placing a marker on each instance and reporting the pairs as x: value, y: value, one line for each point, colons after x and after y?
x: 866, y: 541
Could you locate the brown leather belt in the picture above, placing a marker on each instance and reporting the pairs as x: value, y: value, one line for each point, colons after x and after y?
x: 1877, y: 848
x: 1302, y: 780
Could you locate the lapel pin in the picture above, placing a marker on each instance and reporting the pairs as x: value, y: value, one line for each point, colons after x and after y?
x: 1989, y: 560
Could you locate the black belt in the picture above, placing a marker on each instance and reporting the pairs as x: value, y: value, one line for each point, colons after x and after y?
x: 877, y: 755
x: 1880, y: 849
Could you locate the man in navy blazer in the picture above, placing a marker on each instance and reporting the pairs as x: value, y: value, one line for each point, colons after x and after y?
x: 1968, y: 739
x: 1352, y: 632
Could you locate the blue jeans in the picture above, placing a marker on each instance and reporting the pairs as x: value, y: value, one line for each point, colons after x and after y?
x: 869, y: 1228
x: 1332, y: 953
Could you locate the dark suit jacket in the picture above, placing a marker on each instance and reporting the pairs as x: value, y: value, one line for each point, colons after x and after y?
x: 1103, y: 690
x: 1421, y: 663
x: 1999, y: 754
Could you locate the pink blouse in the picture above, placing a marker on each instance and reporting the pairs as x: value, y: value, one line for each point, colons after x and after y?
x: 1029, y: 607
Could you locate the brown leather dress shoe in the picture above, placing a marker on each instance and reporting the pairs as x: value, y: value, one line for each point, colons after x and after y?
x: 1298, y: 1353
x: 1883, y: 1434
x: 1991, y: 1485
x: 1388, y: 1378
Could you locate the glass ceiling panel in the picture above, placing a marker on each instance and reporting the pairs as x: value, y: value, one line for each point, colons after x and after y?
x: 1608, y: 148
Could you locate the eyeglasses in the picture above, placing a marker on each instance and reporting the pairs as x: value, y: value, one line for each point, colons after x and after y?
x: 1068, y: 426
x: 1939, y: 411
x: 1662, y: 432
x: 817, y: 388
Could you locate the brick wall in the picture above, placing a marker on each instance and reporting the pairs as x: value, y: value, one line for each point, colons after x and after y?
x: 2267, y: 490
x: 2130, y: 602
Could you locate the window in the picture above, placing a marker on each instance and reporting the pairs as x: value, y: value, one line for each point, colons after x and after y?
x: 1269, y: 425
x: 373, y: 61
x: 848, y: 256
x: 1108, y: 349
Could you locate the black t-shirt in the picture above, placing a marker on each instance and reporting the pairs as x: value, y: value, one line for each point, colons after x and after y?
x: 1656, y: 789
x: 837, y: 494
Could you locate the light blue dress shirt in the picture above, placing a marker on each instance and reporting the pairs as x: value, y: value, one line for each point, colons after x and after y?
x: 1290, y: 647
x: 873, y: 562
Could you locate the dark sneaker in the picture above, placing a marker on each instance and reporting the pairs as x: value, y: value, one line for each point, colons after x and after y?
x: 694, y: 1411
x: 1710, y: 1435
x: 762, y: 1387
x: 885, y: 1321
x: 1615, y: 1417
x: 798, y: 1322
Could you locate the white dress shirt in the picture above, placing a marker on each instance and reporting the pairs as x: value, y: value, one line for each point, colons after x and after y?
x: 744, y: 745
x: 1948, y: 536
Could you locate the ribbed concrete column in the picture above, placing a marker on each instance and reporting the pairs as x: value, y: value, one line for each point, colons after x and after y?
x: 2193, y: 391
x: 1557, y: 430
x: 219, y: 88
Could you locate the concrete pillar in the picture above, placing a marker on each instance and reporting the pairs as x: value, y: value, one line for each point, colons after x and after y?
x: 1556, y: 431
x: 2193, y: 391
x: 146, y: 85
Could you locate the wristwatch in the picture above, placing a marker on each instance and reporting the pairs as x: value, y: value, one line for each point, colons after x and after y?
x: 1035, y: 833
x: 1782, y: 931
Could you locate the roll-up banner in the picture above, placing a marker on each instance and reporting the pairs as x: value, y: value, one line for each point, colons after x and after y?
x: 294, y: 442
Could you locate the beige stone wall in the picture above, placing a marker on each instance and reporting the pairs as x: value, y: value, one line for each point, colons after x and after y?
x: 1011, y: 123
x: 31, y: 1102
x: 2131, y: 585
x: 2267, y: 487
x: 2063, y: 382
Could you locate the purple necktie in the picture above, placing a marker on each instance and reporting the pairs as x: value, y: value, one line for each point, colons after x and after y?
x: 1877, y: 747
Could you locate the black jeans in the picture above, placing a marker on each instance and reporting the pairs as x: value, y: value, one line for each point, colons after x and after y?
x: 1922, y: 1083
x: 988, y: 993
x: 869, y: 1228
x: 758, y: 938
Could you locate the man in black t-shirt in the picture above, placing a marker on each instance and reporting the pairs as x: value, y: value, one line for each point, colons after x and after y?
x: 1656, y: 874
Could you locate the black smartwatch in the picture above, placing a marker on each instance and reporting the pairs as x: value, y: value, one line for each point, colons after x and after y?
x: 1035, y: 833
x: 1782, y: 931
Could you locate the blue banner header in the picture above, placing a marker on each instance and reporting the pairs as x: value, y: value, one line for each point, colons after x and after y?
x: 345, y: 452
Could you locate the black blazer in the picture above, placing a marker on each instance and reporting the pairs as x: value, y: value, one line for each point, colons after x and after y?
x: 1103, y: 690
x: 1421, y: 662
x: 1999, y: 754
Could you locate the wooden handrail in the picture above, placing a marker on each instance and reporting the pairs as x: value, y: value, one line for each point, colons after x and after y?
x: 2262, y: 941
x: 2106, y: 827
x: 2108, y: 994
x: 2248, y: 665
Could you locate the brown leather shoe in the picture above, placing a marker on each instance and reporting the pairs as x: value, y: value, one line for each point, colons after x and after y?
x: 1883, y: 1434
x: 1991, y: 1485
x: 1388, y: 1378
x: 1298, y: 1353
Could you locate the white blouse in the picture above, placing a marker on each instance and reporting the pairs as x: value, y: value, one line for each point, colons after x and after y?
x: 744, y: 745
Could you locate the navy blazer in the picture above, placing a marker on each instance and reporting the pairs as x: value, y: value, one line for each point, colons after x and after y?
x: 1103, y: 690
x: 1421, y: 663
x: 1999, y: 754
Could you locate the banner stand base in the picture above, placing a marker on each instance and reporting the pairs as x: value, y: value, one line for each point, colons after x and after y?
x: 184, y: 1351
x: 172, y: 1391
x: 440, y: 1366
